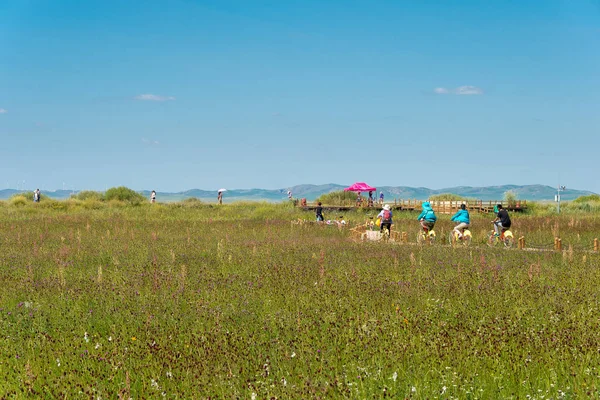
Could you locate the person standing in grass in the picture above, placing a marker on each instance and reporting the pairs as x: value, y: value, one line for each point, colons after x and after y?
x: 153, y: 197
x: 381, y: 197
x: 385, y: 216
x: 220, y: 197
x: 319, y: 213
x: 36, y: 195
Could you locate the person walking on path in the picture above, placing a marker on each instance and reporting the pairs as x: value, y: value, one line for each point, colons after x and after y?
x: 220, y: 197
x: 36, y: 195
x: 153, y: 197
x: 319, y: 213
x: 381, y: 197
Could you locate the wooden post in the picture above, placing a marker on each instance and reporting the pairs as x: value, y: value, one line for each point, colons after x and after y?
x: 596, y: 244
x: 557, y: 244
x: 404, y: 237
x: 522, y: 242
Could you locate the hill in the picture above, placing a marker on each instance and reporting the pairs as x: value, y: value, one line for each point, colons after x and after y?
x: 311, y: 192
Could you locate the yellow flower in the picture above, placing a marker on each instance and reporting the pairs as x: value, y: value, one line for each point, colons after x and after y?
x: 133, y: 338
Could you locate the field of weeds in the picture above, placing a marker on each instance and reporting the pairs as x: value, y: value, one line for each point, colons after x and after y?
x: 192, y: 301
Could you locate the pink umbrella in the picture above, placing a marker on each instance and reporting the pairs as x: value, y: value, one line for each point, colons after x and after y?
x: 360, y: 187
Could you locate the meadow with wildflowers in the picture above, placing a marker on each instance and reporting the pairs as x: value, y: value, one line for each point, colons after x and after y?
x: 190, y: 300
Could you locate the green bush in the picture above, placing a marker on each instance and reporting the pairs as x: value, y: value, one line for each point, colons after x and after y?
x: 88, y: 195
x: 447, y: 197
x: 19, y: 200
x: 595, y: 198
x: 338, y: 198
x: 125, y: 195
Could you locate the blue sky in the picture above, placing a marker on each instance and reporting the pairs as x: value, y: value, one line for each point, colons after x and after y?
x: 181, y: 94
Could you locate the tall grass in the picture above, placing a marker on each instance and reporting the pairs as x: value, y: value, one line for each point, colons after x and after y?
x: 234, y: 301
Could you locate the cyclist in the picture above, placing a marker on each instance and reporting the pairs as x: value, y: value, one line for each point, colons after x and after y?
x: 462, y: 217
x: 427, y: 217
x: 502, y: 220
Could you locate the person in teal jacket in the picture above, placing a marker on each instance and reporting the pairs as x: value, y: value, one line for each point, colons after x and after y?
x: 462, y: 217
x: 427, y: 217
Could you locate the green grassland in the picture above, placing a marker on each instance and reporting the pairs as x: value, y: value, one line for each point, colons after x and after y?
x: 189, y: 300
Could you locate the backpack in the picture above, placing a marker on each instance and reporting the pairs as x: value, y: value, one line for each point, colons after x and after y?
x: 387, y: 217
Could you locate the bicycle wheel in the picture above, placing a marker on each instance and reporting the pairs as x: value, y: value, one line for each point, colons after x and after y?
x: 509, y: 241
x: 491, y: 240
x: 431, y: 237
x: 466, y: 240
x: 452, y: 238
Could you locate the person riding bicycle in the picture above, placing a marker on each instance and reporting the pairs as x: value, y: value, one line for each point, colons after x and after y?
x: 502, y: 220
x: 427, y: 217
x: 462, y: 217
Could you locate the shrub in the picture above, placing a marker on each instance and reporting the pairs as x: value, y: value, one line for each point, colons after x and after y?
x: 447, y: 197
x: 591, y: 198
x: 88, y: 195
x: 510, y: 196
x: 124, y: 194
x: 338, y: 198
x: 18, y: 200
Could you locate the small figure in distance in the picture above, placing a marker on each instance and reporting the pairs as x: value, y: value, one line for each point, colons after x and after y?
x: 502, y: 220
x: 341, y: 222
x: 289, y: 195
x: 153, y: 197
x: 220, y: 197
x: 427, y: 217
x: 381, y: 197
x: 386, y: 218
x: 358, y: 200
x: 462, y: 217
x: 36, y: 195
x: 370, y: 198
x: 319, y: 212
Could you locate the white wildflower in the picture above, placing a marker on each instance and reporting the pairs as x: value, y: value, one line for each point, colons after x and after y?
x: 169, y: 374
x: 85, y: 337
x: 395, y: 376
x: 414, y: 389
x: 253, y: 396
x: 58, y: 362
x: 293, y: 355
x: 154, y: 384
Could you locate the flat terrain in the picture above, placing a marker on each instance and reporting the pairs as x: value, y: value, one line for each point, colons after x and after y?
x: 170, y: 301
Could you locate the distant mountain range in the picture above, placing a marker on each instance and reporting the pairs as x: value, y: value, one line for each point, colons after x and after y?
x: 311, y: 192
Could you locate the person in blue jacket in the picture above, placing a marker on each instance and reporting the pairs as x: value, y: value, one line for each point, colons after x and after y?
x: 462, y: 217
x: 427, y: 217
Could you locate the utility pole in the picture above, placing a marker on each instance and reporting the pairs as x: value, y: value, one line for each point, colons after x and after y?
x: 558, y: 190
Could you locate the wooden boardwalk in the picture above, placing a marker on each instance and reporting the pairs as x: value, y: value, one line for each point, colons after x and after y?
x: 440, y: 207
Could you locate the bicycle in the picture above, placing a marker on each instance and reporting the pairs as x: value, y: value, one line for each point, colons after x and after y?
x: 465, y: 240
x: 426, y: 236
x: 506, y: 238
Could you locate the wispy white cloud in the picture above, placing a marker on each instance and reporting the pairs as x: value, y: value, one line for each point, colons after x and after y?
x: 3, y: 111
x: 461, y: 90
x: 153, y: 97
x: 150, y: 142
x: 468, y: 90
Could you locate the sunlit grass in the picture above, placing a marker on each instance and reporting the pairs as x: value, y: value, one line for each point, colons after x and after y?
x: 234, y: 301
